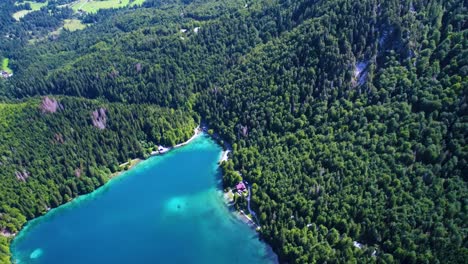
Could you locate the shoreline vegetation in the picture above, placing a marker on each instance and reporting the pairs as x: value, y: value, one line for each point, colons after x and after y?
x: 228, y: 195
x: 349, y: 128
x: 239, y: 214
x: 229, y: 200
x: 161, y: 150
x: 125, y: 167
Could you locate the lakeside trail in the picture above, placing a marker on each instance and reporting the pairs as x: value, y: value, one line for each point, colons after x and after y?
x: 244, y: 217
x: 241, y: 215
x: 248, y: 205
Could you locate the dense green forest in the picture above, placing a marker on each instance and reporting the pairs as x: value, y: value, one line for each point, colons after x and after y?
x: 349, y: 118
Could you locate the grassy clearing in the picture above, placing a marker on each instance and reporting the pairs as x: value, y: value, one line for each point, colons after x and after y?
x: 34, y: 7
x: 70, y: 25
x: 20, y: 14
x: 92, y: 6
x: 73, y: 24
x: 5, y: 62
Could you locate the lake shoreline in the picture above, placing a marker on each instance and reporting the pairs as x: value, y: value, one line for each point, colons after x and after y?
x: 133, y: 163
x: 163, y: 150
x: 239, y: 215
x: 235, y: 214
x: 136, y: 161
x: 224, y: 157
x: 130, y: 164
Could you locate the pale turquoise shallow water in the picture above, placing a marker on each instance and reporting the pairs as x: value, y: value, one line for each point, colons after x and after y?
x: 168, y: 209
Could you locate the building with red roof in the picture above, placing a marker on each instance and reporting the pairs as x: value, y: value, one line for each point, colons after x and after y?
x: 240, y: 186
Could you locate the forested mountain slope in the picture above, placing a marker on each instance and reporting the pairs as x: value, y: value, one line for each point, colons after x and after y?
x: 382, y: 163
x: 350, y: 117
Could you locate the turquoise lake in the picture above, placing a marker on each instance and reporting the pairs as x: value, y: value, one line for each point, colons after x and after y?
x: 167, y: 209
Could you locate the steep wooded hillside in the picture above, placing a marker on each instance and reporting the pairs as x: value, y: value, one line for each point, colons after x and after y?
x: 349, y: 117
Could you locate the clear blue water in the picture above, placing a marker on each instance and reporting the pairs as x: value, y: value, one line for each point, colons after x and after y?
x: 168, y: 209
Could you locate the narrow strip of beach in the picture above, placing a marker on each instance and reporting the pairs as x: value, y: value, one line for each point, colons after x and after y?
x: 196, y: 133
x: 162, y: 149
x: 130, y: 164
x: 224, y: 156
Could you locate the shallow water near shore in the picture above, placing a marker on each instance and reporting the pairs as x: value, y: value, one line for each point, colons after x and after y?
x: 167, y: 209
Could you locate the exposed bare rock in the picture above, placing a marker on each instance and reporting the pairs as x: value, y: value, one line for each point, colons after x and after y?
x: 50, y: 105
x: 244, y: 130
x: 22, y: 176
x: 58, y: 138
x: 99, y: 118
x: 78, y: 172
x: 412, y: 9
x: 138, y: 67
x: 360, y: 73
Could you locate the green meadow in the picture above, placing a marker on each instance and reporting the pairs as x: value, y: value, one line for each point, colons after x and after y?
x: 70, y: 25
x: 92, y: 6
x: 34, y: 7
x: 5, y: 62
x: 73, y: 24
